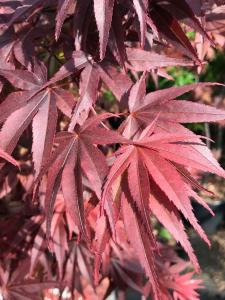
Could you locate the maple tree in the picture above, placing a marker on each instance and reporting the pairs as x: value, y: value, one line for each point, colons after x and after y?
x: 90, y: 175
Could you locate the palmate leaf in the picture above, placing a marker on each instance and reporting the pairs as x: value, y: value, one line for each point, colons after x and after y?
x: 36, y: 104
x: 144, y: 109
x: 167, y: 192
x: 21, y: 118
x: 76, y: 155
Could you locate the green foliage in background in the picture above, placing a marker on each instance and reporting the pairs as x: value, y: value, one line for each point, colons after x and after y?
x: 181, y: 77
x: 214, y: 71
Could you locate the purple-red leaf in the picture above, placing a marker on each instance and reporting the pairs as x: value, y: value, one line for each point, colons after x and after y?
x: 103, y: 10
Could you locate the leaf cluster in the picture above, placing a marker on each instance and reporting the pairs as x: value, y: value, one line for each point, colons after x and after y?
x: 81, y: 201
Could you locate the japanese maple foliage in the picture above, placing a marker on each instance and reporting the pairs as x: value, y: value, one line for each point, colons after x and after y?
x: 90, y: 174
